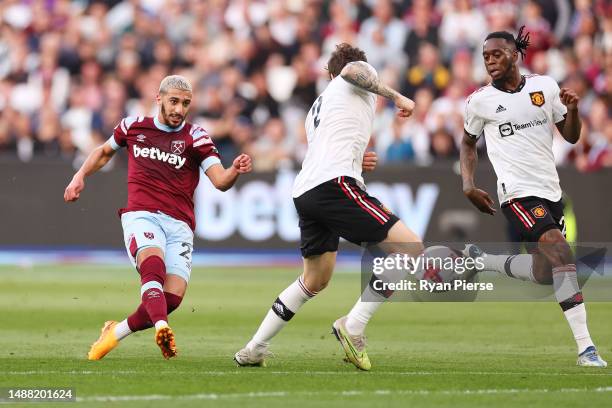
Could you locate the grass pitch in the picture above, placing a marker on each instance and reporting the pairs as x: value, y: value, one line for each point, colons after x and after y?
x: 423, y: 354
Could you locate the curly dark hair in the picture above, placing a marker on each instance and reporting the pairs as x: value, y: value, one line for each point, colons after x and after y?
x: 344, y: 54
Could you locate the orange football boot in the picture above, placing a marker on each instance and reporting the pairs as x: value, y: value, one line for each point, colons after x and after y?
x: 164, y: 337
x: 105, y: 343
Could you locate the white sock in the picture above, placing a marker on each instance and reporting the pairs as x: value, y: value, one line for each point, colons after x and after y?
x: 284, y: 308
x: 515, y: 266
x: 362, y: 312
x: 577, y: 319
x: 160, y: 324
x: 370, y: 299
x: 569, y: 296
x: 122, y: 330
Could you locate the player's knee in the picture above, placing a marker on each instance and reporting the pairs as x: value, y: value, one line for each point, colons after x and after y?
x: 556, y: 249
x: 316, y: 282
x: 175, y: 284
x: 316, y: 285
x: 318, y: 271
x: 152, y: 268
x: 400, y: 239
x: 148, y: 252
x: 322, y: 285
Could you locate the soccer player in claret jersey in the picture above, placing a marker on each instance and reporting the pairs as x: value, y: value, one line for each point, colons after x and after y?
x: 165, y: 154
x: 331, y: 201
x: 518, y: 114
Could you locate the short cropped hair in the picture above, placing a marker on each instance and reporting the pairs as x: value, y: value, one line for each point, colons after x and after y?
x: 174, y: 82
x: 344, y: 54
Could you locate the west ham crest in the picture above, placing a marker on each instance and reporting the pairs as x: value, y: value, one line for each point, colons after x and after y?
x: 177, y: 146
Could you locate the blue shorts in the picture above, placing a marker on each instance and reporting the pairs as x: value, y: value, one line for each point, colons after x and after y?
x: 144, y: 229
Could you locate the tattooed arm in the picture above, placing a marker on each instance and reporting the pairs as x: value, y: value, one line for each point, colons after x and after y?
x: 362, y: 75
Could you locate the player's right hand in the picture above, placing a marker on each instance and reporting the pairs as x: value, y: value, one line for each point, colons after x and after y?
x: 73, y: 191
x: 481, y: 200
x: 405, y: 106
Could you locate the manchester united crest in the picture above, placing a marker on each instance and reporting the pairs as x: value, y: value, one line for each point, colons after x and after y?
x: 538, y: 211
x: 177, y: 146
x: 537, y: 98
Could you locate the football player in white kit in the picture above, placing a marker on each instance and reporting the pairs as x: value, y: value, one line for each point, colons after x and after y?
x: 518, y: 114
x: 331, y: 201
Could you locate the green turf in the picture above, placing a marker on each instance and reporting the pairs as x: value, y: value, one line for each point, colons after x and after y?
x: 423, y: 354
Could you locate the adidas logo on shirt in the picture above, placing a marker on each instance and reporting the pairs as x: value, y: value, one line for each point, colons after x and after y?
x: 500, y: 109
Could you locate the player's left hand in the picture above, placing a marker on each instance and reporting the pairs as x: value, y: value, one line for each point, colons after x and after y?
x: 569, y: 98
x: 242, y: 164
x: 369, y: 161
x: 404, y: 105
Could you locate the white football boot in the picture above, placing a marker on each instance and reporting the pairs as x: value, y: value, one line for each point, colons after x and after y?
x: 590, y: 358
x: 252, y: 357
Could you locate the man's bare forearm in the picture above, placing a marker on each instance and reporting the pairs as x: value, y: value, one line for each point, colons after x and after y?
x: 95, y: 161
x: 468, y: 161
x: 229, y: 179
x: 572, y: 126
x: 359, y: 74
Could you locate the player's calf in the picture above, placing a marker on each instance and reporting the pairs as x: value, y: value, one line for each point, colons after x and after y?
x: 152, y: 276
x: 542, y: 269
x: 370, y: 300
x: 282, y: 311
x: 554, y: 247
x: 400, y: 240
x: 113, y: 332
x: 139, y: 320
x: 317, y: 273
x: 569, y: 296
x: 155, y: 307
x: 517, y: 266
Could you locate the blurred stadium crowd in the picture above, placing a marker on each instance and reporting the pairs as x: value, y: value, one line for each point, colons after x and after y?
x: 70, y: 70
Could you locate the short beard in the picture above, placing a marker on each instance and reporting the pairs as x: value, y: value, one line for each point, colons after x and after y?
x: 167, y: 119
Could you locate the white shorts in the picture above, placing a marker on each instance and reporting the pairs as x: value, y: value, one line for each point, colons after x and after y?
x: 144, y: 229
